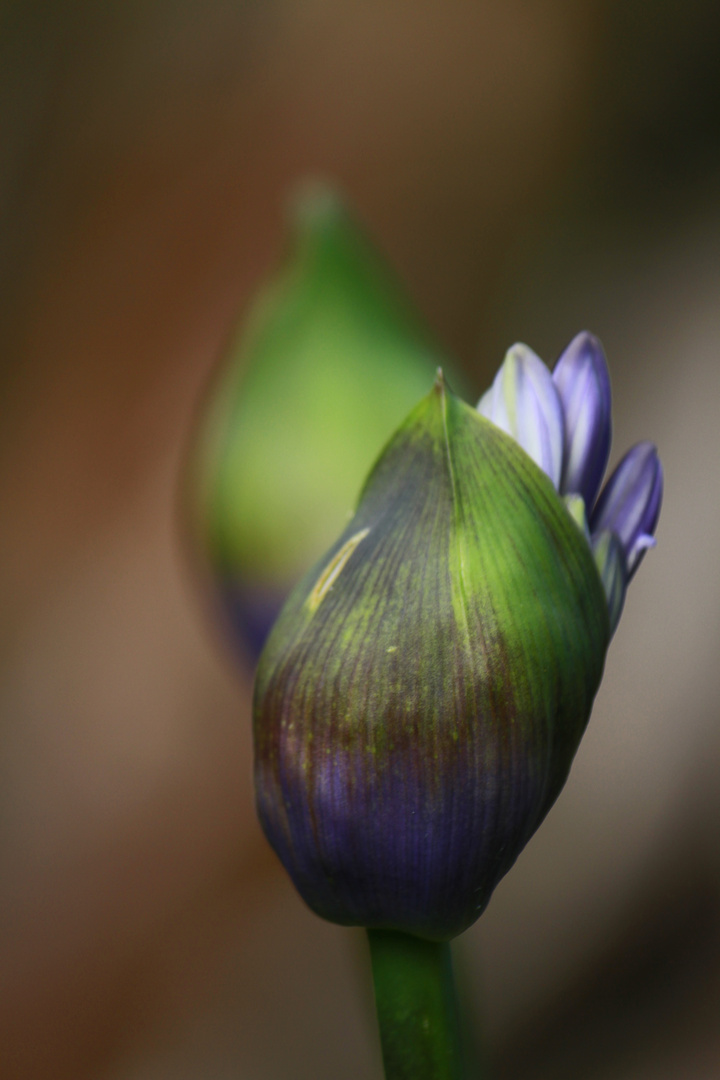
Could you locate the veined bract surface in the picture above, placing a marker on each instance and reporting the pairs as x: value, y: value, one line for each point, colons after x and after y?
x: 422, y: 694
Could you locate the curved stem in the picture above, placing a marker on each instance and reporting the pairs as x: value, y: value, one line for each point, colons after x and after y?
x: 416, y: 1007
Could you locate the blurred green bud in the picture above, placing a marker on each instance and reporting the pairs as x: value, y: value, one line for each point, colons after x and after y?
x: 326, y: 365
x: 421, y: 697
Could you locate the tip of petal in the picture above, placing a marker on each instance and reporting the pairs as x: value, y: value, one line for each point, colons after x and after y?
x: 583, y: 383
x: 523, y: 401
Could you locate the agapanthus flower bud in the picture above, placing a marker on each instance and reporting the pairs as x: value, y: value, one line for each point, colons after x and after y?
x: 423, y: 692
x: 293, y: 419
x: 619, y: 527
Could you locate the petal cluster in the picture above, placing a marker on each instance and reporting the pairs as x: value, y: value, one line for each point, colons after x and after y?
x: 563, y: 421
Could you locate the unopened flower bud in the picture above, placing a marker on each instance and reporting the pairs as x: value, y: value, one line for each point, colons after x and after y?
x: 422, y: 694
x: 583, y: 382
x: 293, y: 419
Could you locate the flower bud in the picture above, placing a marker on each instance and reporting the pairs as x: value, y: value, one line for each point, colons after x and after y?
x: 293, y: 419
x: 630, y: 502
x: 424, y: 690
x: 564, y: 423
x: 583, y: 382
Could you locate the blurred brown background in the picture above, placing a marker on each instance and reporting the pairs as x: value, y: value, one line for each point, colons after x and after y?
x: 531, y: 169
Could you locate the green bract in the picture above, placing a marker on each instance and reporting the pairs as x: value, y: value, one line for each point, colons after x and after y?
x: 425, y: 688
x: 294, y: 417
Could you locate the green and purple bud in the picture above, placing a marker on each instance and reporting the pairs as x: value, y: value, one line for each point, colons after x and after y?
x: 421, y: 697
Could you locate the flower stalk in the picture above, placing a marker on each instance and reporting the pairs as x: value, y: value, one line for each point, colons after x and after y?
x: 416, y: 1007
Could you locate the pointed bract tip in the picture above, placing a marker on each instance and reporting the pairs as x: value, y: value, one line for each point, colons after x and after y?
x: 313, y: 204
x: 440, y: 386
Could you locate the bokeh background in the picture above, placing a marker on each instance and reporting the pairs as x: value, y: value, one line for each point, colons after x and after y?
x: 530, y: 169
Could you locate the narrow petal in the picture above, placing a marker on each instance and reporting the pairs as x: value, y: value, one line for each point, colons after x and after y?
x: 525, y: 403
x: 629, y: 504
x: 582, y: 379
x: 610, y: 560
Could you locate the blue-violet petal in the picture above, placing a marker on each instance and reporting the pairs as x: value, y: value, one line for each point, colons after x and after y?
x: 583, y: 382
x: 629, y: 504
x: 524, y: 402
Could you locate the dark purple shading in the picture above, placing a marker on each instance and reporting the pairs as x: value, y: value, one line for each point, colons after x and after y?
x: 250, y: 614
x: 583, y: 382
x: 391, y: 854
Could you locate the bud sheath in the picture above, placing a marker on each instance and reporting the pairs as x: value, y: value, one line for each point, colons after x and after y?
x: 422, y: 695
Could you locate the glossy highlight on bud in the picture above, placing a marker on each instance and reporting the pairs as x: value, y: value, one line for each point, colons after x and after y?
x: 423, y: 692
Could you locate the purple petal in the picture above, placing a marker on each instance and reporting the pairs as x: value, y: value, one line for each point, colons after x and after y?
x: 583, y: 382
x: 609, y: 556
x: 524, y: 402
x: 629, y: 504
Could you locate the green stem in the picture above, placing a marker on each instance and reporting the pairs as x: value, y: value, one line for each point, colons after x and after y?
x: 416, y: 1007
